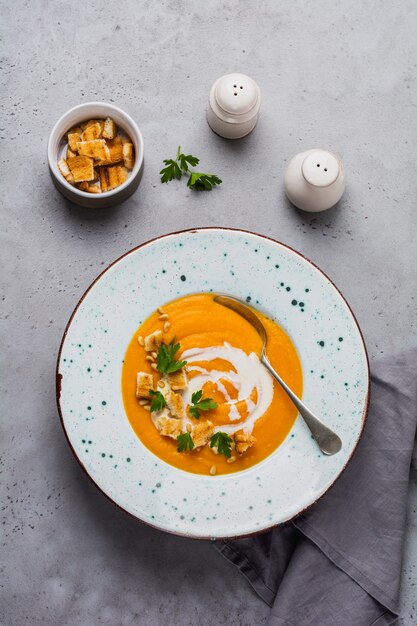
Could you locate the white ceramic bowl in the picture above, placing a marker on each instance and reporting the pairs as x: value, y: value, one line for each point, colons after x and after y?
x: 282, y: 284
x: 83, y: 113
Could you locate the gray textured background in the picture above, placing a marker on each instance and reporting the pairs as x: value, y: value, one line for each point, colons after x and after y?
x: 339, y: 75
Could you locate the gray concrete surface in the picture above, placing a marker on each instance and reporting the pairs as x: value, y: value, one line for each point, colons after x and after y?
x: 341, y: 75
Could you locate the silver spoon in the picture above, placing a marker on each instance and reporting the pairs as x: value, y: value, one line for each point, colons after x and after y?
x: 328, y: 442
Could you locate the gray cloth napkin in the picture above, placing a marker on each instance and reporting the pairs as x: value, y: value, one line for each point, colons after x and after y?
x: 339, y: 564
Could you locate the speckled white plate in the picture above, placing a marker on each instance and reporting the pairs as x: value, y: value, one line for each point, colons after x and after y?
x: 270, y: 276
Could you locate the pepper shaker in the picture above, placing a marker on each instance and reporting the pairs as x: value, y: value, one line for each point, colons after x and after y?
x: 314, y: 180
x: 234, y: 104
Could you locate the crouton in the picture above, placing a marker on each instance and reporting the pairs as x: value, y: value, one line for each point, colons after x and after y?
x: 73, y: 139
x: 201, y: 433
x: 96, y: 148
x: 85, y: 125
x: 169, y: 427
x: 92, y: 131
x: 104, y: 178
x: 128, y: 158
x: 243, y: 442
x: 109, y: 129
x: 63, y: 168
x: 144, y: 384
x: 177, y: 380
x: 93, y: 189
x: 115, y: 147
x: 241, y: 448
x: 153, y: 341
x: 175, y: 403
x: 70, y: 153
x: 89, y: 188
x: 117, y: 175
x: 75, y: 129
x: 65, y: 171
x: 81, y: 168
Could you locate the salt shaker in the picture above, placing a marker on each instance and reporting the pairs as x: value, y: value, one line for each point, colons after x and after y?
x: 234, y: 104
x: 314, y: 180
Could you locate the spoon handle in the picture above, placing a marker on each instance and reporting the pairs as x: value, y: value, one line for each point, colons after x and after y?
x: 328, y: 442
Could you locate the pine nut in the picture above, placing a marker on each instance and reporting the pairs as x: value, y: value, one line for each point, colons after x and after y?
x: 143, y: 401
x: 163, y: 317
x: 147, y: 407
x: 167, y: 326
x: 141, y: 340
x: 160, y: 310
x: 161, y: 384
x: 154, y: 366
x: 154, y: 354
x: 213, y: 470
x: 232, y: 459
x: 149, y: 358
x: 215, y: 451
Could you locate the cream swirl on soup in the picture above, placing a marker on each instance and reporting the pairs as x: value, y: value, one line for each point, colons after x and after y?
x: 246, y: 374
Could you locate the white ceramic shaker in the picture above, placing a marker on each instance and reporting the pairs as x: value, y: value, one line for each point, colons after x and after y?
x: 234, y: 104
x: 314, y: 180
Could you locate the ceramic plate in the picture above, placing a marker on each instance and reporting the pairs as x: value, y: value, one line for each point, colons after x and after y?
x: 269, y: 275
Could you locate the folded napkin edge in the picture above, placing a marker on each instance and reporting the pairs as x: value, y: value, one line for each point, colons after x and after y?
x: 343, y: 563
x: 247, y: 569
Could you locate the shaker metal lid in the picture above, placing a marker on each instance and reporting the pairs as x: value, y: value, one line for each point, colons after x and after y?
x: 235, y: 98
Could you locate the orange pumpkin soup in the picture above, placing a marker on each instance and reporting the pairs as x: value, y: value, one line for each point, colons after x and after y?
x: 215, y: 408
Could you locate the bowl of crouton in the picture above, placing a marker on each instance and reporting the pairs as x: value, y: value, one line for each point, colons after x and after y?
x: 95, y: 155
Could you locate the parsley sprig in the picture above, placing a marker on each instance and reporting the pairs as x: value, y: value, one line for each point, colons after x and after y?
x: 201, y: 404
x: 166, y: 362
x: 185, y: 442
x: 186, y: 159
x: 171, y: 171
x: 175, y: 168
x: 158, y: 401
x: 203, y: 182
x: 223, y: 443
